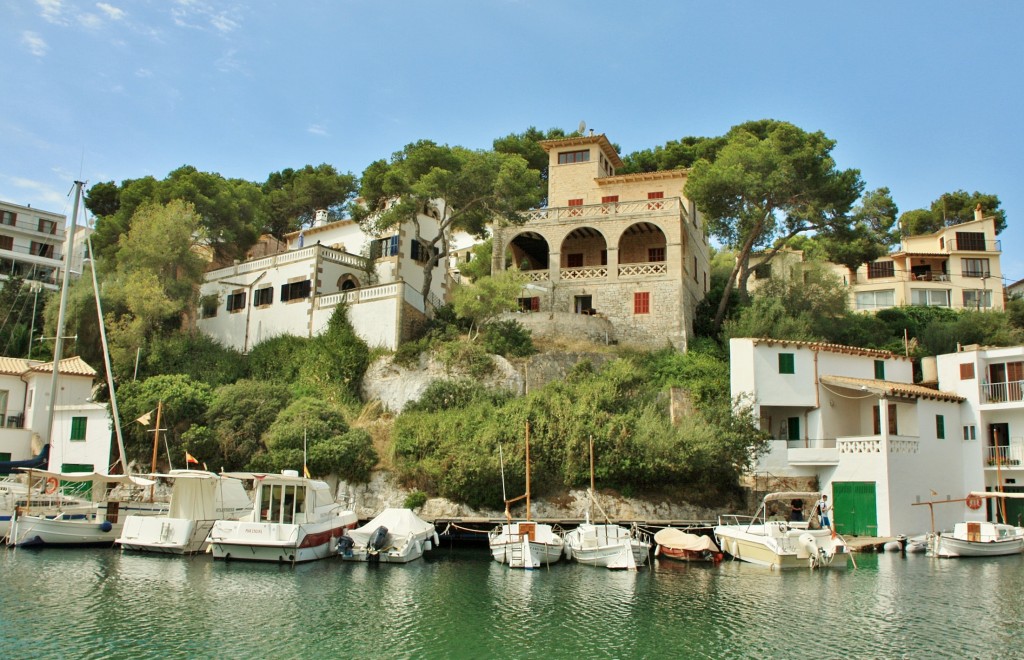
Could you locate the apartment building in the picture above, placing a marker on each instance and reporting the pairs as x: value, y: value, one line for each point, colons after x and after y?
x: 32, y: 245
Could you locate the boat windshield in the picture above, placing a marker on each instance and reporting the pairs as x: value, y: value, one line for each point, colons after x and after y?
x: 279, y: 503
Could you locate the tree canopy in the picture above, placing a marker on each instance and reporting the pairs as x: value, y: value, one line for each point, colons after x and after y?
x: 952, y: 209
x: 674, y: 155
x: 292, y: 197
x: 770, y: 181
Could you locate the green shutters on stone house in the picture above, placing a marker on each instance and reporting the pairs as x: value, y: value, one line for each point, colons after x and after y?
x: 787, y: 363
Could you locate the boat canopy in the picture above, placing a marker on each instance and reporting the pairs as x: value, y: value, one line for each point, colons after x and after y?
x: 399, y: 522
x: 1015, y: 496
x: 79, y: 477
x: 677, y: 539
x: 185, y: 474
x: 791, y: 495
x: 271, y: 477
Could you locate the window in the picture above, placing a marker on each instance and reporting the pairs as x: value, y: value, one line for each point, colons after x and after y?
x: 576, y: 202
x: 875, y: 299
x: 236, y: 301
x: 977, y: 298
x: 940, y: 427
x: 264, y: 296
x: 5, y: 456
x: 78, y: 428
x: 656, y: 254
x: 787, y: 363
x: 575, y: 211
x: 295, y: 290
x: 42, y: 249
x: 6, y: 242
x: 974, y: 267
x: 967, y: 371
x: 655, y: 206
x: 47, y: 226
x: 762, y: 271
x: 8, y: 218
x: 568, y: 157
x: 878, y: 269
x: 384, y: 247
x: 879, y: 369
x: 695, y: 279
x: 792, y: 428
x: 529, y: 304
x: 970, y: 432
x: 642, y: 302
x: 420, y: 252
x: 877, y: 420
x: 574, y: 260
x: 208, y: 306
x: 970, y: 240
x: 930, y: 297
x: 609, y: 199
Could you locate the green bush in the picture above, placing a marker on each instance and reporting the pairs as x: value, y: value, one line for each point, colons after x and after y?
x: 350, y: 455
x: 508, y: 338
x: 195, y: 355
x: 415, y: 499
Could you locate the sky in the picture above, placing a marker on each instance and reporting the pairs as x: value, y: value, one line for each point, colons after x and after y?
x: 920, y: 95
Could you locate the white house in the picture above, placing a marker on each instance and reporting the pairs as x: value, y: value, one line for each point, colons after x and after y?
x: 33, y: 245
x: 295, y: 292
x: 991, y: 381
x: 81, y: 434
x: 852, y: 419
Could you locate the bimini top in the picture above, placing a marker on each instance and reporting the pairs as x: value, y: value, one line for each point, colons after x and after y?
x: 79, y: 477
x: 791, y: 495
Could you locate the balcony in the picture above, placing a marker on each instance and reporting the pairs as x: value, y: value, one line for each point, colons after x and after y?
x: 1010, y: 392
x: 974, y: 245
x: 873, y: 444
x: 812, y: 451
x: 1005, y: 456
x: 35, y: 228
x: 607, y: 210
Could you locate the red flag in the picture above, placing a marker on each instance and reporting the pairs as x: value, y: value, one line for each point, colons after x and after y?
x: 189, y: 458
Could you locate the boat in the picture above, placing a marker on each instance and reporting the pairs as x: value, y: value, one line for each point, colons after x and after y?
x: 525, y: 544
x: 977, y: 539
x: 776, y: 543
x: 42, y: 496
x: 674, y: 543
x: 394, y: 536
x: 198, y: 499
x: 294, y: 519
x: 608, y: 545
x: 97, y: 522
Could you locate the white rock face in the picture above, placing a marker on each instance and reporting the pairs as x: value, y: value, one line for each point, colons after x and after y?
x: 395, y: 386
x: 367, y: 500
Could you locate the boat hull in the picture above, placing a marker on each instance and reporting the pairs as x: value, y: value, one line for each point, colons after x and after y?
x: 525, y: 545
x: 90, y: 526
x: 176, y: 536
x: 779, y: 546
x: 947, y: 546
x: 605, y: 546
x: 273, y: 542
x: 677, y: 554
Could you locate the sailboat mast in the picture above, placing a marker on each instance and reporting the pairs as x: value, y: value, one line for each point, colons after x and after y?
x: 58, y: 346
x: 156, y: 436
x: 527, y: 469
x: 106, y: 359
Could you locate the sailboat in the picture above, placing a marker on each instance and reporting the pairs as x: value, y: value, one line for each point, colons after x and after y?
x: 525, y: 544
x: 608, y: 545
x: 98, y: 522
x: 976, y: 538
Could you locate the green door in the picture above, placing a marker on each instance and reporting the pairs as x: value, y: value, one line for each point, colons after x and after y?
x: 854, y: 510
x: 1014, y: 506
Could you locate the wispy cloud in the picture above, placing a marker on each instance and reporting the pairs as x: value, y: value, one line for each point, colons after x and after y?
x: 112, y: 12
x: 199, y: 15
x: 52, y: 11
x: 42, y: 194
x: 34, y: 43
x: 90, y: 21
x: 317, y: 129
x: 228, y: 63
x: 143, y: 73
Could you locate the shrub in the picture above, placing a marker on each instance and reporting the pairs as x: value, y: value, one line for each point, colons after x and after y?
x: 508, y: 338
x: 415, y: 499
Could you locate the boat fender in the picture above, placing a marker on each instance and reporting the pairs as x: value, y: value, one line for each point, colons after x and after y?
x: 105, y: 526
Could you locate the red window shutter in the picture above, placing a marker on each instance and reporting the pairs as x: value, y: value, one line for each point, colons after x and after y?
x: 609, y: 199
x: 967, y: 371
x: 575, y: 202
x: 655, y: 195
x: 535, y: 304
x: 642, y: 302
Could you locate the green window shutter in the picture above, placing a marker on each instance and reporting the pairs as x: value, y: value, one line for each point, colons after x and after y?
x: 787, y: 363
x: 940, y: 427
x: 880, y: 369
x: 78, y: 428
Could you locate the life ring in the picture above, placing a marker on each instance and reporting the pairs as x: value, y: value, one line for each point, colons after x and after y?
x: 973, y: 502
x: 51, y: 486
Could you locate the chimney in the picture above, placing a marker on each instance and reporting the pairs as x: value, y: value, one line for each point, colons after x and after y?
x: 319, y: 217
x: 591, y: 132
x: 977, y: 212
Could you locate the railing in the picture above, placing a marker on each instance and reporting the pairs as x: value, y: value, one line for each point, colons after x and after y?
x: 49, y: 251
x: 929, y: 277
x: 292, y: 256
x: 583, y: 273
x: 973, y: 245
x: 1011, y: 455
x: 651, y: 268
x: 356, y: 296
x: 812, y: 443
x: 538, y: 275
x: 599, y: 211
x: 33, y: 227
x: 13, y: 420
x: 1002, y: 392
x: 873, y: 445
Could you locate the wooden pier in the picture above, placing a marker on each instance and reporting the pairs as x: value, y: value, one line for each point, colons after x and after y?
x: 474, y: 530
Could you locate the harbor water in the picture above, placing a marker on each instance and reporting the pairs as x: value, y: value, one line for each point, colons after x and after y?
x: 458, y: 603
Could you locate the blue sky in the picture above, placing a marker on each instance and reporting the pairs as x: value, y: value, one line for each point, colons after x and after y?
x: 921, y: 96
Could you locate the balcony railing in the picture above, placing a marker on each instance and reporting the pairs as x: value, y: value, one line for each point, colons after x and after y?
x: 1011, y: 455
x: 584, y: 273
x: 609, y: 209
x: 1002, y: 392
x: 972, y: 245
x: 651, y: 268
x: 812, y: 443
x: 873, y: 445
x: 34, y: 227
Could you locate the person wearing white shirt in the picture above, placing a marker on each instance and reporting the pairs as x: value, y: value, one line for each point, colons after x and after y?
x: 823, y: 508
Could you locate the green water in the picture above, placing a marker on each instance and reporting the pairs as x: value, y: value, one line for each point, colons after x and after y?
x: 81, y: 603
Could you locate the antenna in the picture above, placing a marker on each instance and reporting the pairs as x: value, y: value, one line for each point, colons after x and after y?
x: 583, y: 127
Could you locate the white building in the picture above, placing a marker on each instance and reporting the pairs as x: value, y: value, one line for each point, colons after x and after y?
x: 80, y: 439
x: 32, y: 245
x: 295, y: 292
x: 852, y: 419
x: 991, y: 381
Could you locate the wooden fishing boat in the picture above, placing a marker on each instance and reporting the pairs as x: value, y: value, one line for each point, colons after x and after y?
x: 676, y: 544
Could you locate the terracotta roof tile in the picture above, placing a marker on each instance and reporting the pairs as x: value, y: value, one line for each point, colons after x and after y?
x: 890, y: 388
x: 72, y: 366
x: 13, y: 366
x: 831, y: 348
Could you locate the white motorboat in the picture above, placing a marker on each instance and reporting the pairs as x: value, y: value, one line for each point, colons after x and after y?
x: 607, y: 545
x: 525, y: 544
x: 977, y: 539
x: 294, y: 519
x: 198, y: 499
x: 96, y: 522
x: 776, y: 543
x: 393, y: 536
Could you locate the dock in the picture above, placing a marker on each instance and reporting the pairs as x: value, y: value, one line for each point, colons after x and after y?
x: 474, y: 530
x: 872, y: 543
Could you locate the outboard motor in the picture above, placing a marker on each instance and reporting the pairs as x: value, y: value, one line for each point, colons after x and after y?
x: 345, y: 546
x: 378, y: 539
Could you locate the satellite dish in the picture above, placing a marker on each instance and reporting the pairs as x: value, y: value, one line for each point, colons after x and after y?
x: 582, y: 127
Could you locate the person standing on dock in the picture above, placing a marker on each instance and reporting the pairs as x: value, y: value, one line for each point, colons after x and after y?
x: 823, y: 508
